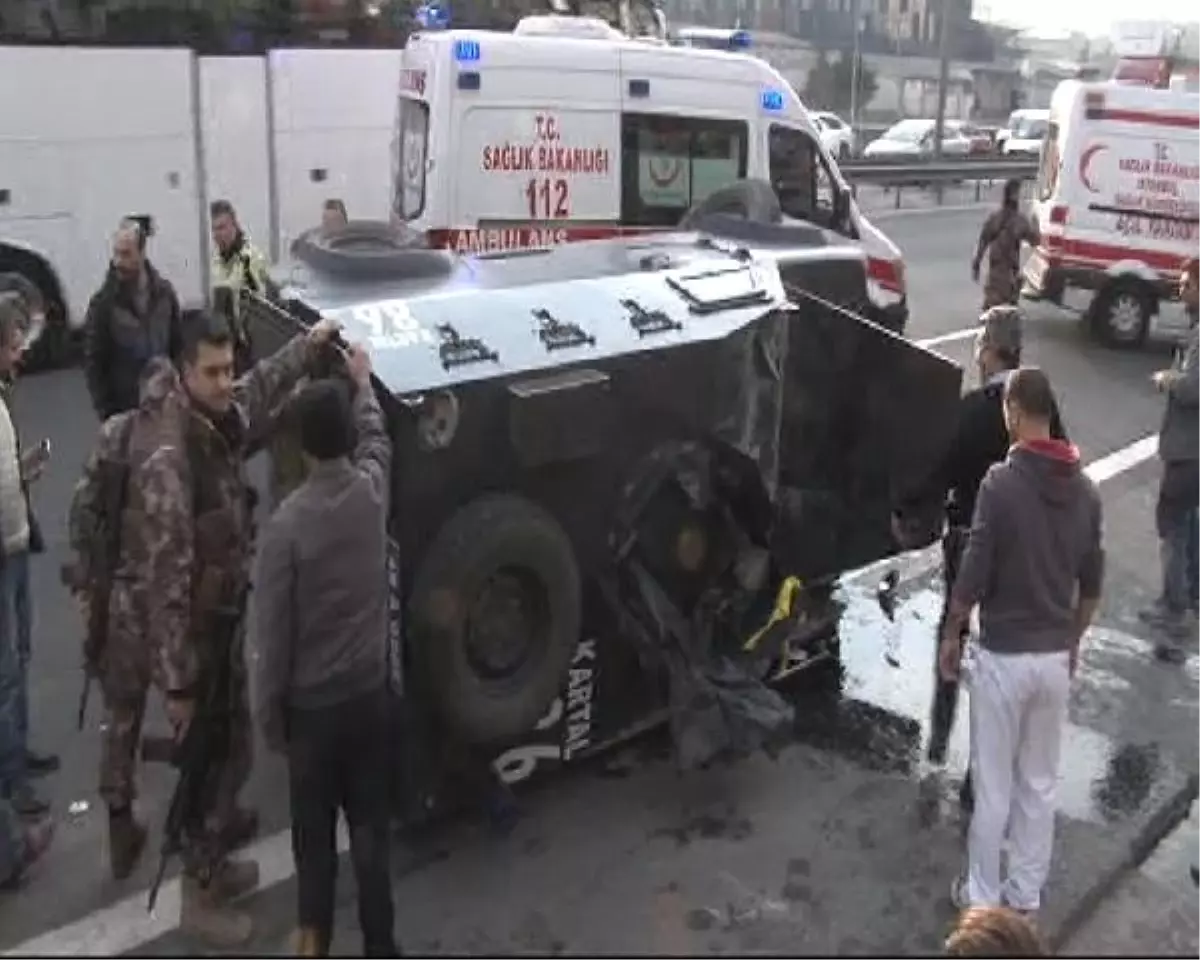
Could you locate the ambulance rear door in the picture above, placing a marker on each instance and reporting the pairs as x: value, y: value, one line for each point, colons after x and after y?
x: 423, y: 133
x: 536, y: 141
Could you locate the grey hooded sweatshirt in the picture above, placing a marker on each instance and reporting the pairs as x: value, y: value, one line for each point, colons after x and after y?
x: 1035, y: 547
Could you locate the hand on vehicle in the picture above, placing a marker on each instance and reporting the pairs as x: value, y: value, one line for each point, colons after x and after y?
x: 323, y: 330
x: 179, y: 712
x: 358, y: 362
x: 33, y: 465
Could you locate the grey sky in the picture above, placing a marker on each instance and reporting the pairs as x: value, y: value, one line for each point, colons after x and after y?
x: 1093, y: 16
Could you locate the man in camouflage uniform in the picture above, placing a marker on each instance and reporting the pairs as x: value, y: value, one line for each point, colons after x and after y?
x: 186, y: 543
x: 124, y: 666
x: 1001, y: 237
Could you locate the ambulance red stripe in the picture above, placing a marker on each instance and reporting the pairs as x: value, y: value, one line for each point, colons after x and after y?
x: 1150, y: 117
x: 1055, y: 248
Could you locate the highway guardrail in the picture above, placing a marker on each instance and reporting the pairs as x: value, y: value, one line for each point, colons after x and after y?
x: 934, y: 172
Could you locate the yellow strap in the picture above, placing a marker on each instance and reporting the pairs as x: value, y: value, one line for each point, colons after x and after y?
x: 785, y: 602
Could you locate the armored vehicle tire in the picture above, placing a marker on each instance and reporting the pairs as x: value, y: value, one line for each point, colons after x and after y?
x: 370, y: 250
x: 496, y: 614
x: 753, y: 199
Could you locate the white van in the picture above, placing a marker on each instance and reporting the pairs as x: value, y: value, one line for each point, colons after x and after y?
x: 567, y: 129
x: 1116, y: 202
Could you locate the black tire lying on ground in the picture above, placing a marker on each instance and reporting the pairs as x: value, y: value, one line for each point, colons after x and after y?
x: 495, y: 615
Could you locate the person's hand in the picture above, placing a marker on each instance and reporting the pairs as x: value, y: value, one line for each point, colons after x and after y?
x: 180, y: 711
x: 1161, y: 378
x: 358, y: 362
x: 33, y: 465
x: 323, y: 331
x: 950, y: 658
x: 975, y: 272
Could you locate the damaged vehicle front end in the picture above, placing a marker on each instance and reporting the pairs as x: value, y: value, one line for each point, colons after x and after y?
x: 627, y: 476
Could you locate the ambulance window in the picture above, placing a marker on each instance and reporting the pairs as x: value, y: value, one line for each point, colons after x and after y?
x: 803, y: 182
x: 671, y: 163
x: 412, y: 133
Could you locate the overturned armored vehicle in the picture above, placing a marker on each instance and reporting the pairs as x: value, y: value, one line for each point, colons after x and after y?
x: 626, y: 474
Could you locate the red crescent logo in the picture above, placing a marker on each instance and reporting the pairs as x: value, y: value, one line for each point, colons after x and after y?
x: 1085, y: 163
x: 668, y: 174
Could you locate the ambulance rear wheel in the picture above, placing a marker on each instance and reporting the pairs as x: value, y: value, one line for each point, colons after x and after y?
x: 1121, y: 312
x: 496, y: 614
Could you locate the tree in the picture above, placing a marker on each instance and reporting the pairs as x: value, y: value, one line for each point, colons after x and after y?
x: 830, y: 79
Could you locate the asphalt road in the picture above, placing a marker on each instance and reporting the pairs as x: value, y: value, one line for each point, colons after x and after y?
x: 816, y: 853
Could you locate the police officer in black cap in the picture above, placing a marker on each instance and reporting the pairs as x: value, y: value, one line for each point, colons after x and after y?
x: 980, y: 440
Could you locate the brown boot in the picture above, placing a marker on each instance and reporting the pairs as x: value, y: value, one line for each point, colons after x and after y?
x: 233, y: 879
x: 310, y: 943
x: 203, y: 916
x: 126, y: 840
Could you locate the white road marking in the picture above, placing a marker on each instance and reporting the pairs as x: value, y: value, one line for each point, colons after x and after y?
x: 920, y: 562
x: 125, y: 925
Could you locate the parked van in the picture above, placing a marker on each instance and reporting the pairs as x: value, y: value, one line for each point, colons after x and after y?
x: 568, y: 129
x: 1116, y: 202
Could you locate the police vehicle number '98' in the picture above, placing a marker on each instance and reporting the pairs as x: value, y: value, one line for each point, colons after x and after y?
x: 386, y: 325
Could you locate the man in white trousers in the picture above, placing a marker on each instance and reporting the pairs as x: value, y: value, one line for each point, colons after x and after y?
x: 1034, y: 564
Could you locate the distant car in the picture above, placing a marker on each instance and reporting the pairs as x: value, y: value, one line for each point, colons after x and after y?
x: 979, y: 141
x: 912, y: 140
x: 1026, y: 136
x: 1016, y: 121
x: 836, y: 135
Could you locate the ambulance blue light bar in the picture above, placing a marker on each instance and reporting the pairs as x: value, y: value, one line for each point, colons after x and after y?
x: 772, y: 101
x: 467, y: 51
x: 432, y: 16
x: 739, y: 40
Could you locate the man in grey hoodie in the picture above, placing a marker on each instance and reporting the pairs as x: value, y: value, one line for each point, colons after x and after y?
x: 1034, y: 564
x: 1175, y: 513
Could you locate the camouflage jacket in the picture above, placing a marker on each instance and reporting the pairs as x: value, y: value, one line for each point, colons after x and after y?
x: 187, y: 527
x: 1001, y: 237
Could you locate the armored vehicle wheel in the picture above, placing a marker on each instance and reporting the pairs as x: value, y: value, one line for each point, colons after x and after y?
x: 496, y: 613
x: 753, y: 199
x: 370, y: 250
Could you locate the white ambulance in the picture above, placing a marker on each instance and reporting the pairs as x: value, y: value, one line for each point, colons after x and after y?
x: 1116, y: 202
x: 569, y: 129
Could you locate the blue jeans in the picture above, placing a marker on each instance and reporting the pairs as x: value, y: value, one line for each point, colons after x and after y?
x: 15, y: 630
x: 1192, y: 554
x: 1176, y: 518
x: 12, y: 841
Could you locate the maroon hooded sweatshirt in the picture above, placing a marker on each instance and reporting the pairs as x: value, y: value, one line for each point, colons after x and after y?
x: 1035, y: 546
